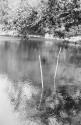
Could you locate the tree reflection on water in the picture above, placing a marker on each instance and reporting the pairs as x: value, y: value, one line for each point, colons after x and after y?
x: 64, y: 106
x: 20, y: 63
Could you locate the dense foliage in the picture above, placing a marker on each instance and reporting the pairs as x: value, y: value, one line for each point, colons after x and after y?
x: 4, y: 11
x: 26, y: 19
x: 6, y: 15
x: 58, y: 17
x: 63, y: 15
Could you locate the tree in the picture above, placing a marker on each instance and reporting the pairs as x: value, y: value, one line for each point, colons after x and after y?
x: 25, y: 16
x: 63, y: 13
x: 59, y: 17
x: 4, y: 11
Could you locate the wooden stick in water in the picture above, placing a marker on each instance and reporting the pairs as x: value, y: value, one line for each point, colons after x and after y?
x: 56, y: 70
x: 42, y: 81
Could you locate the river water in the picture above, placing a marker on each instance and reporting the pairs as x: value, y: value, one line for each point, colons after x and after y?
x: 19, y: 62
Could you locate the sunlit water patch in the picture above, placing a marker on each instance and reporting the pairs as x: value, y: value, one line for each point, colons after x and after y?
x: 15, y: 102
x: 7, y: 116
x: 23, y: 97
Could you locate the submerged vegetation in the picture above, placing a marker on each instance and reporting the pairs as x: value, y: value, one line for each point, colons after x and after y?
x: 62, y: 108
x: 44, y: 105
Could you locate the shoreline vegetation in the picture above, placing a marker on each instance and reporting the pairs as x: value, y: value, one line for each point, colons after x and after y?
x: 47, y: 38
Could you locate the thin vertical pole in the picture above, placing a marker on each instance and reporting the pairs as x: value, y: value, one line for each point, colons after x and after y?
x: 56, y: 69
x: 42, y: 81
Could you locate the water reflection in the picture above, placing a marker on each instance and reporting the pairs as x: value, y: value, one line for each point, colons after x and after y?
x: 7, y: 115
x: 19, y: 61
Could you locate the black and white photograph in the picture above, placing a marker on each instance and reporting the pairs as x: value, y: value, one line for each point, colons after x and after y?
x: 40, y: 62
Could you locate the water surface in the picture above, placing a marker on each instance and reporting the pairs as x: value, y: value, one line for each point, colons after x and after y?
x: 19, y: 62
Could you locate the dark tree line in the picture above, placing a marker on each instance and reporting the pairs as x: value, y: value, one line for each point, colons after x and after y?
x: 58, y: 17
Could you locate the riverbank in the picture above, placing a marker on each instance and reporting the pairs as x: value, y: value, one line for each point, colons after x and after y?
x: 48, y: 38
x: 9, y: 33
